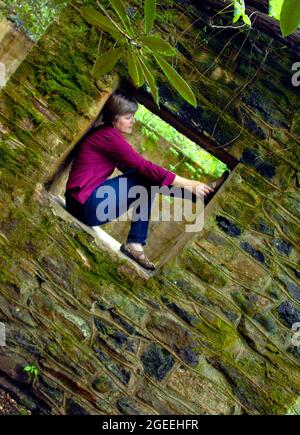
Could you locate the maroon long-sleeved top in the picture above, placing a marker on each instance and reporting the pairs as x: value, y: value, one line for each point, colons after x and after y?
x: 99, y: 154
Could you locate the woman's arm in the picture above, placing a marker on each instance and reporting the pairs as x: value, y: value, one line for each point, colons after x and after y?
x: 112, y: 144
x: 115, y: 146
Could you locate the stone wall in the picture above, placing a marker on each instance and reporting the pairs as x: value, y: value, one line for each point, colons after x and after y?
x: 14, y: 47
x: 206, y: 335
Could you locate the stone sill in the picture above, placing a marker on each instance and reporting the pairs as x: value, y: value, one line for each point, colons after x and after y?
x: 103, y: 240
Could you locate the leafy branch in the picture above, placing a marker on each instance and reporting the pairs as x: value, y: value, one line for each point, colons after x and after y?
x: 135, y: 47
x: 286, y: 11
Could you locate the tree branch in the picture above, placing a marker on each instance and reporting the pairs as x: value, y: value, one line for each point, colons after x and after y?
x: 263, y: 22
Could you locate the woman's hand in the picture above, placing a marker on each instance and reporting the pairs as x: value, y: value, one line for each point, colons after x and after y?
x: 200, y: 189
x: 196, y: 187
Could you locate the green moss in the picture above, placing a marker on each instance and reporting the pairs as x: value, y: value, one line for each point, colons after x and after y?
x: 19, y: 98
x: 63, y: 108
x: 102, y: 384
x: 7, y: 156
x: 243, y: 303
x: 202, y: 269
x: 296, y: 124
x: 77, y: 99
x: 294, y: 408
x: 84, y: 82
x: 7, y: 262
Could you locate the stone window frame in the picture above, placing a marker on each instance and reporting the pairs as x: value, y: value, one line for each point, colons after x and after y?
x: 102, y: 239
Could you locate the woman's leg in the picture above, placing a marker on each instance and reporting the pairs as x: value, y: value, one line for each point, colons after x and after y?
x: 139, y: 228
x: 115, y: 202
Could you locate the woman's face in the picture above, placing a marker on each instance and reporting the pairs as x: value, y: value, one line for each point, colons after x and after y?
x: 124, y: 123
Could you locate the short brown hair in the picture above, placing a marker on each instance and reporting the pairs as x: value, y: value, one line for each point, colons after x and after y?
x: 118, y: 104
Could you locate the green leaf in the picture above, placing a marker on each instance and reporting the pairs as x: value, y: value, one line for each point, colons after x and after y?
x: 159, y: 45
x: 240, y: 11
x: 97, y: 19
x: 247, y: 20
x: 106, y: 62
x: 290, y: 17
x: 134, y: 69
x: 236, y: 17
x: 149, y: 13
x: 150, y: 79
x: 176, y: 81
x: 27, y: 369
x: 119, y: 7
x: 140, y: 70
x: 275, y: 7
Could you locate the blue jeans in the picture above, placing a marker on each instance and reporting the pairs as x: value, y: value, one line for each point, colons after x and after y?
x: 87, y: 212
